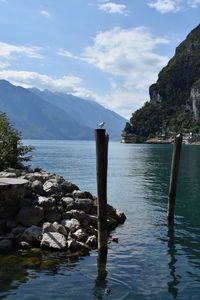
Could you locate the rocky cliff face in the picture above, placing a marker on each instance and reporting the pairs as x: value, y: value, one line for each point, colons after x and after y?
x: 194, y: 100
x: 175, y: 98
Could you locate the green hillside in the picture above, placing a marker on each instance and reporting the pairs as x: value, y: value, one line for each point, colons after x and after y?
x: 175, y: 98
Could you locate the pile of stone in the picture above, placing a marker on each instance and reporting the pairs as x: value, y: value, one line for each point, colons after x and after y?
x: 40, y: 209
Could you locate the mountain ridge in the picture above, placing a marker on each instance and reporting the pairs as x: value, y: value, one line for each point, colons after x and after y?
x: 37, y: 118
x: 175, y: 98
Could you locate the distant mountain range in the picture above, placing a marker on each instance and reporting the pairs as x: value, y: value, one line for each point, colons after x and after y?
x: 52, y: 115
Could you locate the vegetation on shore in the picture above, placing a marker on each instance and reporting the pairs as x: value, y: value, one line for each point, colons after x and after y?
x: 12, y: 152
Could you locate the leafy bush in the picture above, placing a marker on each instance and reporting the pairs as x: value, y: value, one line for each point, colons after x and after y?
x: 12, y: 152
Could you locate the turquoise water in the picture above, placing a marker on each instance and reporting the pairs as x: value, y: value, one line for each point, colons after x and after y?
x: 152, y: 259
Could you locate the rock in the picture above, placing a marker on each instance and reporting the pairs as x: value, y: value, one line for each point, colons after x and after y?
x: 37, y: 187
x: 111, y: 223
x: 5, y: 245
x: 53, y: 240
x: 59, y: 179
x: 51, y: 188
x: 68, y: 203
x: 7, y: 236
x: 47, y: 203
x: 113, y: 239
x: 55, y: 227
x: 120, y: 216
x: 44, y: 176
x: 84, y: 204
x: 71, y: 224
x: 8, y: 175
x: 26, y: 202
x: 32, y: 235
x: 18, y: 231
x: 91, y: 241
x: 30, y: 215
x: 76, y: 214
x: 53, y: 215
x: 80, y: 235
x: 12, y: 190
x: 82, y: 195
x: 24, y: 245
x: 10, y: 224
x: 92, y: 231
x: 48, y: 227
x: 75, y: 245
x: 68, y: 187
x: 2, y: 225
x: 60, y: 228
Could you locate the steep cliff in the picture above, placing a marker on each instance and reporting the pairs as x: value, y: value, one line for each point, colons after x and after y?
x: 175, y: 98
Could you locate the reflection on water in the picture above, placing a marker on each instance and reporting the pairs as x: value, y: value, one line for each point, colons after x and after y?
x: 153, y: 259
x: 173, y: 284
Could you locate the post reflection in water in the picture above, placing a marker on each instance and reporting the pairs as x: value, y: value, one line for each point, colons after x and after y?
x: 101, y: 288
x: 173, y: 283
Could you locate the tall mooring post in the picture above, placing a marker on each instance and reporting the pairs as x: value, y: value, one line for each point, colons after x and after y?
x: 101, y: 170
x: 174, y: 176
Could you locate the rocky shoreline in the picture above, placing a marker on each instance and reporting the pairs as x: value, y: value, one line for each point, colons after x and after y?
x: 41, y: 209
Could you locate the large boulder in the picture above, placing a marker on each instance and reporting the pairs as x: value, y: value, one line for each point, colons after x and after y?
x: 18, y: 231
x: 32, y: 235
x: 12, y: 190
x: 53, y: 240
x: 68, y: 187
x: 80, y: 235
x: 30, y: 215
x: 54, y: 227
x: 82, y: 195
x: 53, y: 215
x: 37, y: 187
x: 68, y: 203
x: 51, y: 187
x: 47, y: 203
x: 84, y: 204
x: 71, y: 224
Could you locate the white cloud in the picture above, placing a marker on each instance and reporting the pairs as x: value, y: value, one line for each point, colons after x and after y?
x: 129, y: 56
x: 166, y: 6
x: 9, y: 52
x: 45, y: 13
x: 114, y: 8
x: 194, y: 3
x: 63, y: 52
x: 66, y: 84
x: 127, y: 53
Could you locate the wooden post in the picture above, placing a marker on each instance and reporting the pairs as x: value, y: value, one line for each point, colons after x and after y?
x: 101, y: 168
x: 174, y: 176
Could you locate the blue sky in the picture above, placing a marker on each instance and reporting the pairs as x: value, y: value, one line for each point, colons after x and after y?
x: 106, y: 50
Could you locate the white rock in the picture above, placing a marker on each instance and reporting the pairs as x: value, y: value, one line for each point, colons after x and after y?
x: 53, y: 240
x: 71, y: 224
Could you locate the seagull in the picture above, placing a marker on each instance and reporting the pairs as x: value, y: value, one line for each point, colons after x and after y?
x: 101, y: 124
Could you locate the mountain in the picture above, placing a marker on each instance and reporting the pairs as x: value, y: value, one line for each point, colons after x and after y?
x: 47, y: 115
x: 86, y: 112
x: 36, y: 118
x: 175, y: 98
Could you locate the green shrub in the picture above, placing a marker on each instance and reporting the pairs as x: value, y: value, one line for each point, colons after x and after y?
x: 12, y: 152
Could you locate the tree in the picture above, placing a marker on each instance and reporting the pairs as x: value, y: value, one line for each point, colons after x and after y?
x: 12, y: 152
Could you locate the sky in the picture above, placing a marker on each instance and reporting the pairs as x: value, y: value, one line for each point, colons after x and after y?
x: 110, y: 51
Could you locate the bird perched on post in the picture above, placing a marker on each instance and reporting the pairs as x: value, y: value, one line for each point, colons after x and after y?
x: 101, y: 124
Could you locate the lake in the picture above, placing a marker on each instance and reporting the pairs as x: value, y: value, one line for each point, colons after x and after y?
x: 153, y: 260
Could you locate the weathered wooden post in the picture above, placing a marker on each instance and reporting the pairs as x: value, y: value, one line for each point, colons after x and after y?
x: 101, y: 169
x: 174, y: 176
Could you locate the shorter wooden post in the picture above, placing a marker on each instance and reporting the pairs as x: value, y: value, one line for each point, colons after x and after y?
x: 101, y: 168
x: 174, y: 176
